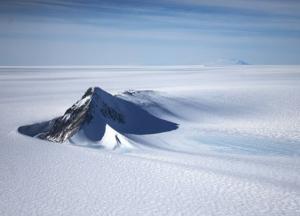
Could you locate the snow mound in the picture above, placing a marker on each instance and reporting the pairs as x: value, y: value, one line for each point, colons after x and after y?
x: 99, y: 119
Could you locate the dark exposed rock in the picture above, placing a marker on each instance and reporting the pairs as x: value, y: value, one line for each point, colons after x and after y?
x: 110, y: 113
x: 67, y: 125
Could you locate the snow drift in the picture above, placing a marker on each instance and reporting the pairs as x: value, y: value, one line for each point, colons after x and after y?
x: 93, y: 115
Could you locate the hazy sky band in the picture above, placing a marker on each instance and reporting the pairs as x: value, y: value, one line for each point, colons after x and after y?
x: 236, y: 27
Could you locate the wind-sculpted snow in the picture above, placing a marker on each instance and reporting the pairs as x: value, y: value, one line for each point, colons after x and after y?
x: 92, y: 113
x: 236, y: 150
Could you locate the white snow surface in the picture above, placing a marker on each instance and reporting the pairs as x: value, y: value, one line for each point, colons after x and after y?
x: 236, y: 151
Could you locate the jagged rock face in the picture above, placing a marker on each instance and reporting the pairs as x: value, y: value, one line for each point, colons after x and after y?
x: 79, y: 115
x: 67, y: 125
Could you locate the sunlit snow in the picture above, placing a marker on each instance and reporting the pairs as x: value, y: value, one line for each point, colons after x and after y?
x: 236, y: 150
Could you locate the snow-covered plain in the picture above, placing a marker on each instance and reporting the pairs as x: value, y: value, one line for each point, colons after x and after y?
x: 236, y: 151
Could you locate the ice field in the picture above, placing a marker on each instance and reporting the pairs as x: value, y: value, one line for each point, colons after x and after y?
x: 236, y: 150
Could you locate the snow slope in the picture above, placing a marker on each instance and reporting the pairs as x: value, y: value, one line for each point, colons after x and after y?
x: 236, y: 151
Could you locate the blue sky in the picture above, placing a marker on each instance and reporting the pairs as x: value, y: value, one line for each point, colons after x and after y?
x: 157, y: 32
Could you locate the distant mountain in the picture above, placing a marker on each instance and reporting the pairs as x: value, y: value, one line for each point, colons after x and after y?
x: 221, y: 62
x: 93, y: 115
